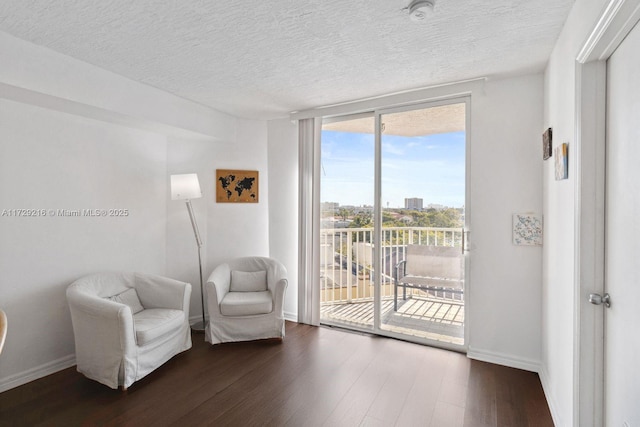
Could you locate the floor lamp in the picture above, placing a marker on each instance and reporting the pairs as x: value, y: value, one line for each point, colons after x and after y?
x: 187, y: 187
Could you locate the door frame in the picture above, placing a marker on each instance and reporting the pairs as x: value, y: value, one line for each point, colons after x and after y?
x: 616, y: 21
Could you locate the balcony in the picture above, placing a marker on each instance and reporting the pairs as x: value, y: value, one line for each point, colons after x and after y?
x: 347, y: 283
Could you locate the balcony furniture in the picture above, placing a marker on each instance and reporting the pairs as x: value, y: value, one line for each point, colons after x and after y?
x: 429, y: 268
x: 3, y: 328
x: 245, y: 300
x: 127, y: 324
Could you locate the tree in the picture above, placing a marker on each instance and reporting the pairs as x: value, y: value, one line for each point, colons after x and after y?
x: 361, y: 220
x: 343, y: 213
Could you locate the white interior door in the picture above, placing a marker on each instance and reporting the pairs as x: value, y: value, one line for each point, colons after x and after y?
x: 622, y: 277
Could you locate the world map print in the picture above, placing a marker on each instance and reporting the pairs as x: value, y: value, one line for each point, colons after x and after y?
x: 236, y: 186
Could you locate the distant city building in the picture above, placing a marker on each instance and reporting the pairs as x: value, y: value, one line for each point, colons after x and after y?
x: 436, y: 206
x: 329, y: 206
x: 363, y: 209
x: 353, y: 210
x: 413, y: 203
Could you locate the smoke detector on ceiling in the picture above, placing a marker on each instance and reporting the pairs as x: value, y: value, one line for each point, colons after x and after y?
x: 420, y: 10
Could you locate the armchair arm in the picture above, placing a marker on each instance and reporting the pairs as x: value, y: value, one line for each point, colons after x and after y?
x: 212, y: 300
x: 163, y: 292
x: 220, y: 279
x: 396, y: 270
x: 104, y: 336
x: 278, y: 296
x: 217, y: 287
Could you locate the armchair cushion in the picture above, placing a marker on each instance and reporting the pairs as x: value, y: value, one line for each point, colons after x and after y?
x: 153, y: 323
x: 130, y: 298
x: 248, y: 281
x: 246, y: 303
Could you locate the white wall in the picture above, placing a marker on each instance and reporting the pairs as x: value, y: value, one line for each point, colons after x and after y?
x: 228, y: 230
x: 63, y: 145
x: 283, y: 204
x: 51, y: 160
x: 504, y: 298
x: 558, y: 200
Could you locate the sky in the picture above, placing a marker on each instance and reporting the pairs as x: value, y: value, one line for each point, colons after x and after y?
x: 428, y: 167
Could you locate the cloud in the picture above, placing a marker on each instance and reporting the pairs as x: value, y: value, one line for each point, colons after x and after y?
x: 392, y: 149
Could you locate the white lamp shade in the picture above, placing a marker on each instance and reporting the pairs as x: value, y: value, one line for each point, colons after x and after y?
x: 185, y: 186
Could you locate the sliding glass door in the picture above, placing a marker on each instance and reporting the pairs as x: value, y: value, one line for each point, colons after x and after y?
x: 393, y: 205
x: 422, y: 215
x: 347, y: 187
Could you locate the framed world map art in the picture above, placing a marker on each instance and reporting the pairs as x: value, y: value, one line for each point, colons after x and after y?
x: 236, y: 186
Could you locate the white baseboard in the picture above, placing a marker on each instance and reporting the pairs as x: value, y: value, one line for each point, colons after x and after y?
x: 553, y: 407
x: 32, y: 374
x: 504, y: 360
x: 292, y: 317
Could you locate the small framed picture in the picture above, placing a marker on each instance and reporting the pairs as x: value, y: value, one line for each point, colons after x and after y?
x: 527, y: 229
x: 236, y: 186
x: 547, y: 149
x: 562, y: 161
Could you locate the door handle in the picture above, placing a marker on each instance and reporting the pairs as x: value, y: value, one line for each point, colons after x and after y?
x: 464, y: 241
x: 597, y: 299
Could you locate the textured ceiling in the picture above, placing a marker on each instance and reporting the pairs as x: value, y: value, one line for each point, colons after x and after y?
x: 264, y: 59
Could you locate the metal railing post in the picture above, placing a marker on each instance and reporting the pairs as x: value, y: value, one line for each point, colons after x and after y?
x: 349, y: 256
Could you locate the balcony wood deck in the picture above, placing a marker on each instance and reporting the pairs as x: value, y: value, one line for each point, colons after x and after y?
x: 424, y: 316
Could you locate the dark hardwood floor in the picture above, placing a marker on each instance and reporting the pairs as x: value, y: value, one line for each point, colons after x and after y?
x: 317, y: 376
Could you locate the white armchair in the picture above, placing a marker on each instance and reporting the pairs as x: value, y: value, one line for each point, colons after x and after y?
x: 245, y: 299
x: 127, y: 324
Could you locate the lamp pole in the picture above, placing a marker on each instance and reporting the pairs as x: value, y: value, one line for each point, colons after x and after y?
x: 186, y: 187
x: 197, y: 327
